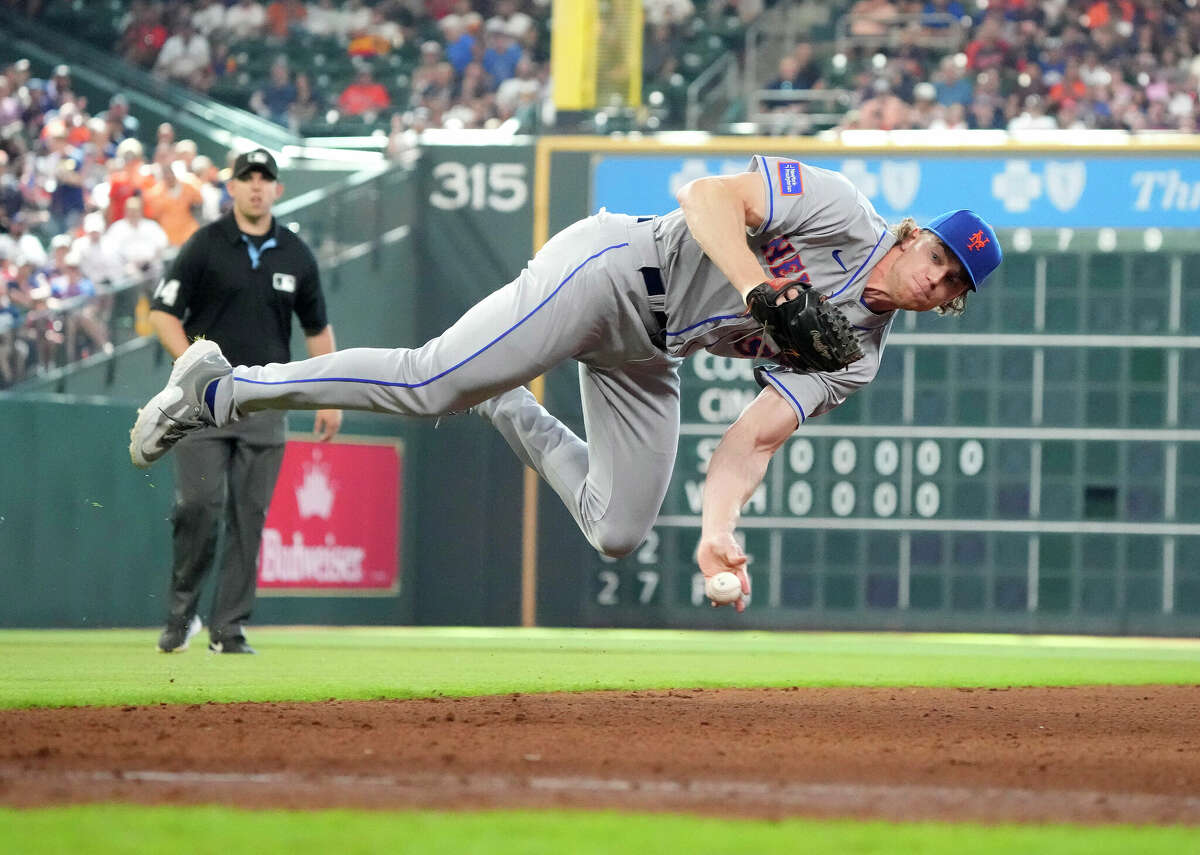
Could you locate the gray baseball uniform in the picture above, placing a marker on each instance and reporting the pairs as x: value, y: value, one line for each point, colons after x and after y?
x: 589, y: 295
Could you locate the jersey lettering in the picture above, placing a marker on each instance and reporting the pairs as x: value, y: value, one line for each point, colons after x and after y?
x: 777, y: 250
x: 782, y: 259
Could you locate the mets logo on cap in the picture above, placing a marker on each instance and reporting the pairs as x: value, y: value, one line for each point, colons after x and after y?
x: 972, y: 240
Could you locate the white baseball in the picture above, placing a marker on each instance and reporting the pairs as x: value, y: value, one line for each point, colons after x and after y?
x: 723, y: 588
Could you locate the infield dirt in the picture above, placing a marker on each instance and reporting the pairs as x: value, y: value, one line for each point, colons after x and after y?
x: 1091, y: 754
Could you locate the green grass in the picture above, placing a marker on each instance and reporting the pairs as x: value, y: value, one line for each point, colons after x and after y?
x: 114, y: 667
x: 101, y: 829
x: 53, y: 668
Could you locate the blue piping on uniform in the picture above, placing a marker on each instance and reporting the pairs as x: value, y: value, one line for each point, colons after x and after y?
x: 854, y: 275
x: 770, y: 196
x: 784, y: 390
x: 452, y: 368
x: 705, y: 321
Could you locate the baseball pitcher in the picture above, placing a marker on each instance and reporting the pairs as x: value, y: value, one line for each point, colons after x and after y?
x: 786, y: 263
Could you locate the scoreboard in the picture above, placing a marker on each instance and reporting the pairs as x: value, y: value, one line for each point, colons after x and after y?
x: 1033, y: 465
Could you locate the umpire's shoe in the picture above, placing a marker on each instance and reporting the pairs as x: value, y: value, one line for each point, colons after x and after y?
x: 184, y: 404
x: 234, y: 644
x: 176, y: 636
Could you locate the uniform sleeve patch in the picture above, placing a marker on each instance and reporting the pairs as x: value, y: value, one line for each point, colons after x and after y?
x: 790, y: 183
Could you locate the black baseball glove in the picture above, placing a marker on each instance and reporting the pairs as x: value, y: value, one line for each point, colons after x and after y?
x: 812, y: 335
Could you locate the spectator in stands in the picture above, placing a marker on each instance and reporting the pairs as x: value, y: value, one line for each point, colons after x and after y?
x: 426, y: 69
x: 380, y: 37
x: 884, y: 110
x: 501, y: 54
x: 518, y: 89
x: 97, y: 259
x: 209, y: 18
x: 356, y: 17
x: 59, y: 89
x: 1071, y: 85
x: 460, y: 45
x: 10, y: 321
x: 476, y: 83
x: 164, y: 145
x: 139, y: 242
x: 57, y: 174
x: 308, y: 104
x: 246, y: 19
x: 20, y: 293
x: 989, y: 50
x: 871, y: 18
x: 667, y: 11
x: 323, y: 18
x: 1032, y: 117
x: 10, y: 103
x: 11, y: 197
x: 24, y: 244
x: 172, y: 202
x: 796, y: 71
x: 185, y: 153
x: 121, y: 125
x: 144, y: 35
x: 404, y: 137
x: 99, y: 146
x: 926, y: 111
x: 286, y: 18
x: 364, y: 96
x: 60, y: 245
x: 662, y: 45
x: 951, y: 81
x: 130, y: 179
x: 87, y: 311
x: 274, y: 100
x: 934, y: 13
x: 212, y: 189
x: 436, y: 91
x: 186, y: 56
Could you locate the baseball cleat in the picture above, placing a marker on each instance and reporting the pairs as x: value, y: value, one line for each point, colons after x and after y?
x: 176, y: 638
x: 230, y: 645
x: 180, y: 407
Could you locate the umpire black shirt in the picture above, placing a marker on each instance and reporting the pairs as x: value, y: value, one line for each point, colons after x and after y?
x: 241, y: 290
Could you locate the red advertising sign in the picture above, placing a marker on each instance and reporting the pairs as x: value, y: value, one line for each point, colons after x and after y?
x: 334, y: 521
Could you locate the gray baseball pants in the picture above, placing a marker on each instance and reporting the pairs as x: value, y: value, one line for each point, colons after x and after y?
x: 581, y: 297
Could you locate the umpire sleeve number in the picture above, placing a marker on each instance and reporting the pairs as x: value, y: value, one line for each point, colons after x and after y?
x: 480, y: 186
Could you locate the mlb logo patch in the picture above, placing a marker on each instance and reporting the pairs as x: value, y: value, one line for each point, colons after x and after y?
x: 284, y: 282
x: 789, y: 178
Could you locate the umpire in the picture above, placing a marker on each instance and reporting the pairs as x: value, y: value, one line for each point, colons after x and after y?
x: 236, y: 281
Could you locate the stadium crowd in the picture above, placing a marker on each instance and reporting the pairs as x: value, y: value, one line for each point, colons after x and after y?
x: 89, y: 199
x: 1008, y: 65
x: 83, y: 210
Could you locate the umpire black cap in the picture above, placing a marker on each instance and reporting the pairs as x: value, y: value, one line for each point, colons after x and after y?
x: 259, y: 160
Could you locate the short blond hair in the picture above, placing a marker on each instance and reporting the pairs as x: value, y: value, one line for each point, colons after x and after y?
x: 951, y: 308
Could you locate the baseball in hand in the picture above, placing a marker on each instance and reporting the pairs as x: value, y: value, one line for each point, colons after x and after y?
x: 723, y: 588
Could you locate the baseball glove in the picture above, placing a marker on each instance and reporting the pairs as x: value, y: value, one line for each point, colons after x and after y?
x: 811, y: 334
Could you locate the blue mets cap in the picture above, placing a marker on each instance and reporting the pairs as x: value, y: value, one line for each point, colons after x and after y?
x: 972, y: 240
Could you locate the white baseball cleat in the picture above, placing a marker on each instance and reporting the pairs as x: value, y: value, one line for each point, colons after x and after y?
x: 180, y: 407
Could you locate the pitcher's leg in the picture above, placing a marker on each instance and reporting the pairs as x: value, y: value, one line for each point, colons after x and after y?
x: 548, y: 314
x: 614, y: 483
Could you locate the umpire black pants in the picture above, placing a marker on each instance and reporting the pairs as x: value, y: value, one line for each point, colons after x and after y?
x: 224, y: 475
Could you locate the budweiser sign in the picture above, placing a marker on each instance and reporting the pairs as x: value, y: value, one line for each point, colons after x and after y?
x: 334, y: 520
